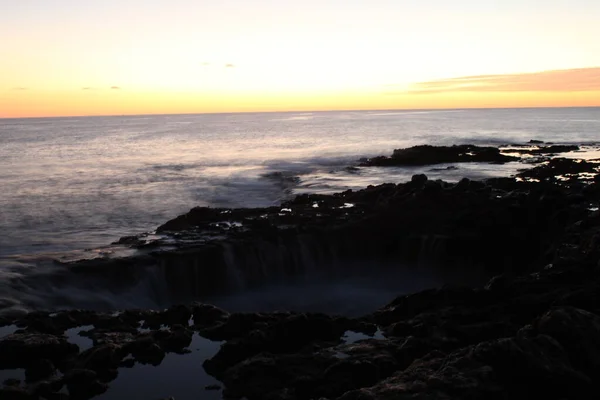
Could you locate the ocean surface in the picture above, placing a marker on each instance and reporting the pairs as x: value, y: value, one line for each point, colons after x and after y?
x: 70, y: 184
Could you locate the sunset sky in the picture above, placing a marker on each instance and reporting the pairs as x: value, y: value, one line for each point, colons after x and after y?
x: 83, y: 57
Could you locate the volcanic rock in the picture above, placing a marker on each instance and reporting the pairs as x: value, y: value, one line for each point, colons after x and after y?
x: 429, y: 155
x: 39, y: 369
x: 14, y: 393
x: 21, y: 349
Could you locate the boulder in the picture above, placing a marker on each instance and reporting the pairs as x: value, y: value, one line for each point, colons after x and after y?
x: 101, y: 358
x: 14, y: 393
x: 39, y: 369
x: 206, y: 315
x: 21, y: 349
x: 146, y: 351
x: 84, y: 384
x: 419, y: 180
x: 174, y: 340
x: 578, y: 332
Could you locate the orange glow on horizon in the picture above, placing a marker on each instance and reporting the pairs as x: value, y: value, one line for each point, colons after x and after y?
x: 31, y: 103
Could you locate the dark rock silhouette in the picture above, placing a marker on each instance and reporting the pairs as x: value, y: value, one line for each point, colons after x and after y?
x: 429, y: 155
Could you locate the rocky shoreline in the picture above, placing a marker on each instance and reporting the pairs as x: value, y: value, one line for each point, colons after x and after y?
x: 527, y: 326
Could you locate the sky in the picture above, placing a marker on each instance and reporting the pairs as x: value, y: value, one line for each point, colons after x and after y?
x: 116, y: 57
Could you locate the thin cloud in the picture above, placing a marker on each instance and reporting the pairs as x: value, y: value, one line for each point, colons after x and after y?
x: 115, y: 88
x: 205, y: 64
x: 229, y: 66
x: 87, y: 88
x: 568, y: 80
x: 20, y: 88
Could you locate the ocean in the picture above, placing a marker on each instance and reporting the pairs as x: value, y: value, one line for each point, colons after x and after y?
x: 70, y: 185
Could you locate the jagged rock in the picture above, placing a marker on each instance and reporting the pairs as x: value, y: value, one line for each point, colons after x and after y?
x: 429, y: 155
x: 463, y: 185
x: 64, y: 320
x: 419, y: 180
x: 586, y: 298
x: 505, y: 184
x: 238, y: 324
x: 176, y: 315
x: 578, y: 332
x: 84, y: 384
x: 432, y: 188
x: 106, y: 337
x: 559, y: 167
x: 100, y: 358
x: 21, y: 349
x: 266, y: 376
x: 14, y: 393
x: 175, y: 340
x: 408, y: 306
x: 553, y: 149
x: 129, y: 240
x: 518, y: 368
x: 115, y: 324
x: 286, y: 335
x: 197, y: 216
x: 539, y: 363
x: 45, y: 324
x: 351, y: 374
x: 12, y: 382
x: 146, y: 351
x: 449, y: 168
x: 39, y: 369
x: 206, y: 315
x: 50, y: 389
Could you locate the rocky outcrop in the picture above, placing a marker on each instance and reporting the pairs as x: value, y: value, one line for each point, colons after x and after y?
x: 563, y: 169
x: 430, y: 155
x: 419, y: 222
x: 552, y: 149
x: 21, y: 349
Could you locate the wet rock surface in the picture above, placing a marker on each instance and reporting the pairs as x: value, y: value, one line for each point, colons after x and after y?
x: 429, y: 155
x: 562, y: 169
x: 552, y: 149
x: 531, y: 329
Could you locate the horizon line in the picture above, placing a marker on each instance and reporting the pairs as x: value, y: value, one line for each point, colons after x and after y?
x: 294, y: 111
